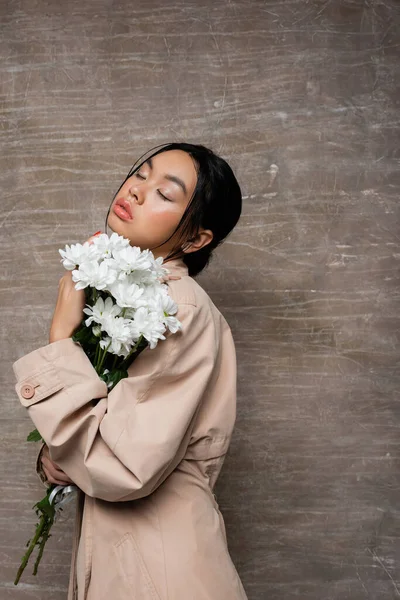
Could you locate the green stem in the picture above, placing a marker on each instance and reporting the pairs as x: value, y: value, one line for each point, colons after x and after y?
x: 96, y: 356
x: 102, y: 359
x: 39, y: 529
x: 45, y: 537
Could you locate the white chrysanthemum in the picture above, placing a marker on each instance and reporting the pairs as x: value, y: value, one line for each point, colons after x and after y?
x: 159, y: 270
x: 105, y: 245
x: 154, y: 331
x: 131, y: 259
x: 119, y: 331
x: 76, y: 254
x: 172, y: 324
x: 153, y: 289
x: 146, y: 272
x: 126, y: 294
x: 115, y: 347
x: 148, y: 325
x: 163, y: 306
x: 117, y: 327
x: 138, y: 321
x: 118, y: 241
x: 96, y: 330
x: 94, y: 275
x: 140, y: 277
x: 159, y: 301
x: 101, y: 310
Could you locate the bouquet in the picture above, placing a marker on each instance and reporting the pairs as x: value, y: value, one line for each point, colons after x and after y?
x: 128, y: 309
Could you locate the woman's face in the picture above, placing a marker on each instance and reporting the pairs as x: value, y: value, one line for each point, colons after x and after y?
x: 150, y: 204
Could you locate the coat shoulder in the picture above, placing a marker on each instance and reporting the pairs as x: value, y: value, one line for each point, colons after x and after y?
x: 187, y: 291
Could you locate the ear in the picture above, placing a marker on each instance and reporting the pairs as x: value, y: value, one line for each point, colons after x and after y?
x: 202, y: 239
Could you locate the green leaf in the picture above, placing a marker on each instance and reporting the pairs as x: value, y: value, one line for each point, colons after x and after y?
x: 34, y: 436
x: 114, y: 376
x: 44, y: 505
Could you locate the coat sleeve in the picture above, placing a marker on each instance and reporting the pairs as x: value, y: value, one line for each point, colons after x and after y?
x: 124, y: 445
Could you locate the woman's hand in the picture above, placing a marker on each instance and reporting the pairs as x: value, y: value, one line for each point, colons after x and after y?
x: 52, y: 471
x: 68, y: 313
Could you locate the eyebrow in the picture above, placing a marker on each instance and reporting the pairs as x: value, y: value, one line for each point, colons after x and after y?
x: 169, y: 177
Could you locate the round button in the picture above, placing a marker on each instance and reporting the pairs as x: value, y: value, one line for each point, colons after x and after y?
x: 27, y: 391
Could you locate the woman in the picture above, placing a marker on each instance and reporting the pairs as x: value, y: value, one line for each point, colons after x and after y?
x: 146, y: 455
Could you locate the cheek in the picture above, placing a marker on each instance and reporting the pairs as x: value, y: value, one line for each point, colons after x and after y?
x: 163, y: 217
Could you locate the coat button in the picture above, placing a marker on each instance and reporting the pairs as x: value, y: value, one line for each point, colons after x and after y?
x: 27, y: 391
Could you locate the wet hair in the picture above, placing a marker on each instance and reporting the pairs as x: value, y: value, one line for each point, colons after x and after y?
x: 216, y: 203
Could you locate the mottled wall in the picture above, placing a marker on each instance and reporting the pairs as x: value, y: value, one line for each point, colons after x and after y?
x: 302, y: 97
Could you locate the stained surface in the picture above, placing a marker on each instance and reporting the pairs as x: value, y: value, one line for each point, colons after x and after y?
x: 302, y: 98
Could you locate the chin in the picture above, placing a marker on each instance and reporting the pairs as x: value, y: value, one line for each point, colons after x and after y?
x: 115, y: 225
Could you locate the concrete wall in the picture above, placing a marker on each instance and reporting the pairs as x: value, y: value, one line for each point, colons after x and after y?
x: 302, y: 98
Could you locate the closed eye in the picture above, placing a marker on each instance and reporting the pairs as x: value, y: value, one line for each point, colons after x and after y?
x: 140, y: 176
x: 162, y: 196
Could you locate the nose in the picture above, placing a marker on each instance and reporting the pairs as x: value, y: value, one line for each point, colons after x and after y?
x: 136, y: 193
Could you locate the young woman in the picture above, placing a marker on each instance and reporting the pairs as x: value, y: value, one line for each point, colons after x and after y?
x: 146, y: 455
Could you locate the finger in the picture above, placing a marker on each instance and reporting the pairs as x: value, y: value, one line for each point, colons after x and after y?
x: 168, y: 277
x: 58, y: 478
x: 55, y: 471
x: 48, y: 465
x: 51, y: 478
x: 90, y: 240
x: 65, y: 278
x: 58, y: 473
x: 52, y: 466
x: 55, y: 465
x: 61, y: 474
x: 56, y: 481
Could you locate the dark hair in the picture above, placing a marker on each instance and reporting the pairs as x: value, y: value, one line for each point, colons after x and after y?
x: 216, y: 203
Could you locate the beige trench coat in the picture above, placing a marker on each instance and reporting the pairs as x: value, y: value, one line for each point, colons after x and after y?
x: 145, y: 456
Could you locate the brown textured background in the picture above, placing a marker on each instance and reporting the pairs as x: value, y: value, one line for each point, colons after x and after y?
x: 302, y: 97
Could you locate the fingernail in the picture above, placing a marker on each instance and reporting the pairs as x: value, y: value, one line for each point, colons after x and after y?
x: 97, y: 233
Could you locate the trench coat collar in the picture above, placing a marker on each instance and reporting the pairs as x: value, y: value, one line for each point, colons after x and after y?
x: 176, y: 266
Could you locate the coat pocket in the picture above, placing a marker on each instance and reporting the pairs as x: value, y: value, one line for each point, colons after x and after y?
x: 133, y: 569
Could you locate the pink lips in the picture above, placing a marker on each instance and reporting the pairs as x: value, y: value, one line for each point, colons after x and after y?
x: 126, y: 211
